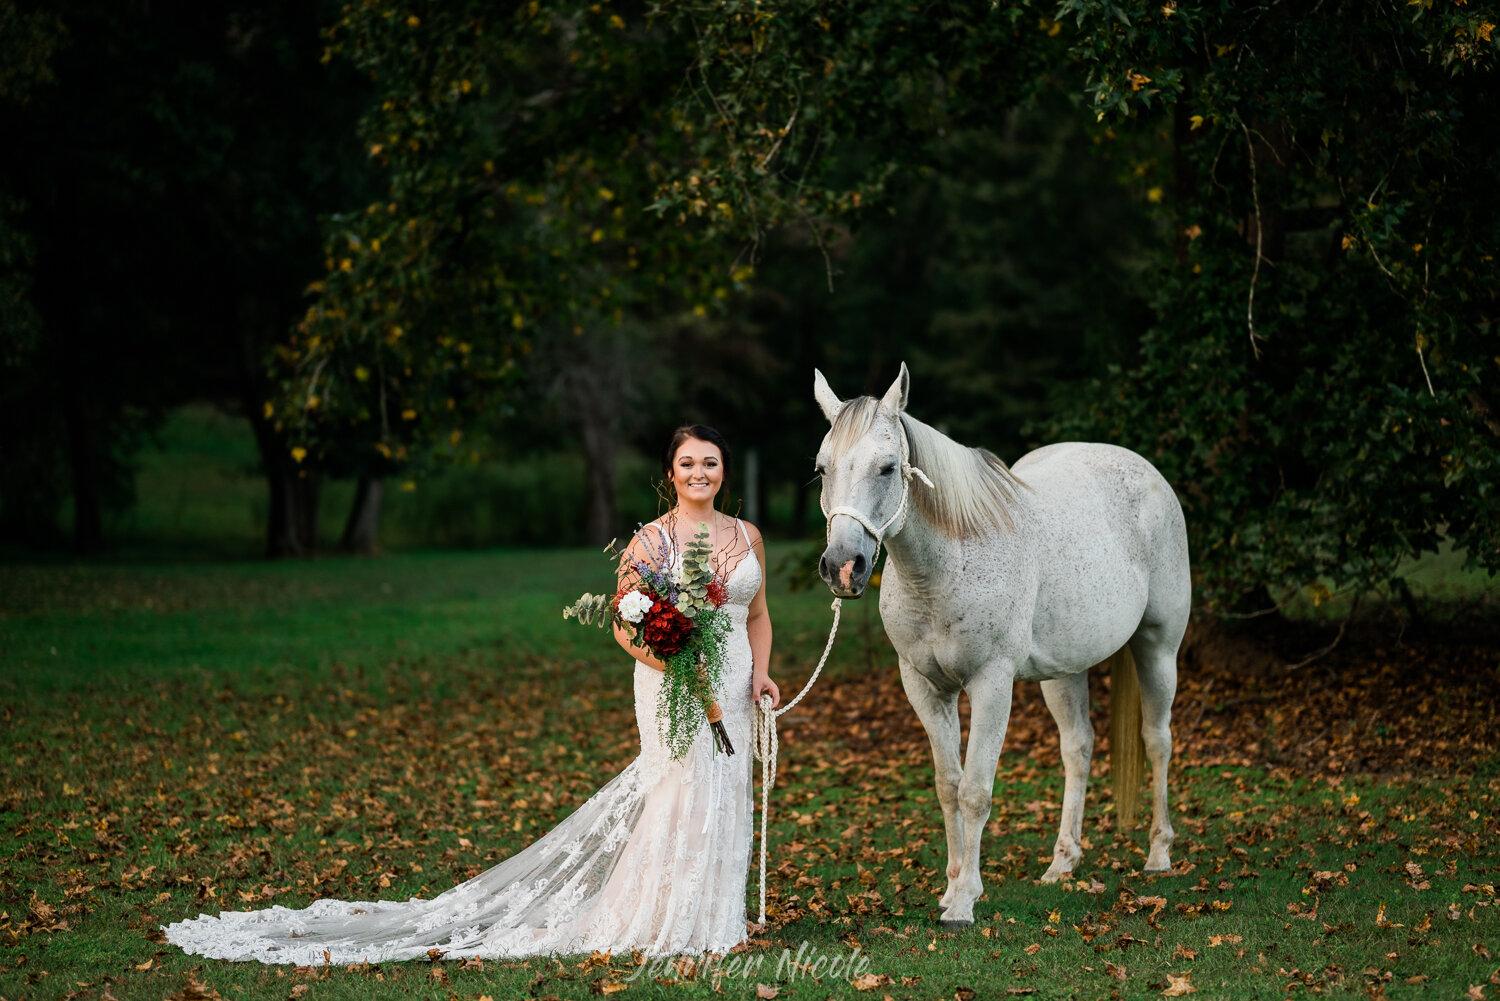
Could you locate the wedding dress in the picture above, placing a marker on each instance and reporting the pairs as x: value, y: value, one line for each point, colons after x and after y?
x: 656, y: 861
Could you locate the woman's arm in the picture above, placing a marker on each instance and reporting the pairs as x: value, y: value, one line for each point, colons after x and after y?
x: 626, y: 578
x: 758, y: 628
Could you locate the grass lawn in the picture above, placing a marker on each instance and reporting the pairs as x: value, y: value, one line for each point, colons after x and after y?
x: 186, y: 738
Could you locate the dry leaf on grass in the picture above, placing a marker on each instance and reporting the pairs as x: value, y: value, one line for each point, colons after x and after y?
x: 1178, y: 986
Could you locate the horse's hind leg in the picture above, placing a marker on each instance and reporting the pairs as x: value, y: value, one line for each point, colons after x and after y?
x: 1068, y: 699
x: 1155, y: 650
x: 938, y: 710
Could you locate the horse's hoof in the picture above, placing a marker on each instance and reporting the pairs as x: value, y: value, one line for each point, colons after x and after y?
x: 1156, y: 872
x: 954, y: 925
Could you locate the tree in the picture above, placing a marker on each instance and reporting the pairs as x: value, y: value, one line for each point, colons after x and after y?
x: 1317, y: 382
x: 172, y: 178
x: 520, y: 144
x: 1320, y: 382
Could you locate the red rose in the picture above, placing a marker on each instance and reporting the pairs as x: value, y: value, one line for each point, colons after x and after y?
x: 716, y: 593
x: 665, y: 629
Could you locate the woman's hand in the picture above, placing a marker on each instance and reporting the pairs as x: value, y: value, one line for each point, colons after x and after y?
x: 762, y: 684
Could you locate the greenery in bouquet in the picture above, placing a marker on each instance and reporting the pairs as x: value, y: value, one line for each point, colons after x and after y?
x: 675, y: 612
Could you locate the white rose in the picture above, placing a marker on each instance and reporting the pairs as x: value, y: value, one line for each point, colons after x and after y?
x: 634, y: 606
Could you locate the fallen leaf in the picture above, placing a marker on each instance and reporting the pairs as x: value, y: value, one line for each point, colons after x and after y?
x: 766, y: 992
x: 1476, y: 991
x: 1185, y: 953
x: 869, y: 981
x: 1118, y: 972
x: 194, y: 991
x: 1178, y: 986
x: 611, y: 987
x: 1032, y: 949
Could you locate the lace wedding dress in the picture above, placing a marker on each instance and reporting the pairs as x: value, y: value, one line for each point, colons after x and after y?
x: 656, y: 860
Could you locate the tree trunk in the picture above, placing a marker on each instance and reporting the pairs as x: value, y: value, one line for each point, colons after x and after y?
x: 88, y: 520
x: 799, y: 512
x: 599, y: 448
x: 306, y: 484
x: 362, y: 530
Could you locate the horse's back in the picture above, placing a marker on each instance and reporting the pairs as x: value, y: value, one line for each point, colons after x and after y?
x: 1108, y: 514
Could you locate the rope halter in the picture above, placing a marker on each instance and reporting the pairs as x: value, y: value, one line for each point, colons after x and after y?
x: 879, y: 533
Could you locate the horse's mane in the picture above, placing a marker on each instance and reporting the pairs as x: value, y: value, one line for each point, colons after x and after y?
x: 973, y: 494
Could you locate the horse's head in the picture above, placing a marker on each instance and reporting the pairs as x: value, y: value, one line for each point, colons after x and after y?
x: 864, y: 468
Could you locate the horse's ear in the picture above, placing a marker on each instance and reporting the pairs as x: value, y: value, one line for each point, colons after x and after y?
x: 824, y: 394
x: 895, y: 397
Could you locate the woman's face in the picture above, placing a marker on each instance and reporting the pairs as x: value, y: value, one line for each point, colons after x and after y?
x: 697, y: 470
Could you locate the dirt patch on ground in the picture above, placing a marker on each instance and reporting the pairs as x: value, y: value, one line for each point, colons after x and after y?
x: 1383, y: 701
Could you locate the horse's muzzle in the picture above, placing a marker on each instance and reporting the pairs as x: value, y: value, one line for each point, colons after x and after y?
x: 845, y: 574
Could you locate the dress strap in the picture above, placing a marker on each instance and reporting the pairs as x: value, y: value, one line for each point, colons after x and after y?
x: 742, y: 531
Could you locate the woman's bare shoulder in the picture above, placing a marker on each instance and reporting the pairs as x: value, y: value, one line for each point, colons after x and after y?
x: 752, y: 533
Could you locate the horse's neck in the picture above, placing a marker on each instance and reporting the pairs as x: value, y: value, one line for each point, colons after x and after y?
x: 920, y: 552
x: 929, y: 562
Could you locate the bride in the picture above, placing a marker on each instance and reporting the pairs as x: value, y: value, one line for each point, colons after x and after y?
x: 655, y: 861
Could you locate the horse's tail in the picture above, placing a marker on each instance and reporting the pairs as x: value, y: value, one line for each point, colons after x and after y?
x: 1127, y: 753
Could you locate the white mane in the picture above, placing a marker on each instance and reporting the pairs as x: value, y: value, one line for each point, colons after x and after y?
x: 974, y: 492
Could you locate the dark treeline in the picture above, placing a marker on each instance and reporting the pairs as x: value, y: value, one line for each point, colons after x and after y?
x: 1256, y: 245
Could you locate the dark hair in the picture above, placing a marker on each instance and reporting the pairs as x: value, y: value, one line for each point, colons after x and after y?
x: 703, y: 433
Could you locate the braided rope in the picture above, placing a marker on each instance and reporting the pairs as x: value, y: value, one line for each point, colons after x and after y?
x: 763, y: 723
x: 766, y: 743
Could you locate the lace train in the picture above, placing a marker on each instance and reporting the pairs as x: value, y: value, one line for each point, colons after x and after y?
x: 656, y: 860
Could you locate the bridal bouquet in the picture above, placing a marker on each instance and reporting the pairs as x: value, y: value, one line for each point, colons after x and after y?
x: 674, y: 613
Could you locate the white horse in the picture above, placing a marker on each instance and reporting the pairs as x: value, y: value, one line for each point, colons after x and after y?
x: 1077, y: 557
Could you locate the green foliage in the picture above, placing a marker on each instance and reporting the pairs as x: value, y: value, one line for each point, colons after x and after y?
x: 1321, y: 380
x: 1318, y: 381
x: 800, y: 114
x: 519, y: 142
x: 696, y: 672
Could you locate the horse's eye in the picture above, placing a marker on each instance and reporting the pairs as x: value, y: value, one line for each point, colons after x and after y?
x: 888, y: 469
x: 820, y: 470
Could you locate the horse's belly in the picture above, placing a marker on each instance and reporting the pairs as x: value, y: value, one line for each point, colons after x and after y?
x: 1074, y: 629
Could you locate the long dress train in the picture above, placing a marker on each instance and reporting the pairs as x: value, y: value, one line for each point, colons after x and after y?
x: 656, y: 860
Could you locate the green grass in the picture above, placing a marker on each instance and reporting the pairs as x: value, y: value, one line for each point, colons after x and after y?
x: 186, y: 737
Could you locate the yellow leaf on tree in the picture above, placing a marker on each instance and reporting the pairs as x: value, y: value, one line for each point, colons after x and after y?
x: 299, y: 453
x: 1197, y: 121
x: 1154, y: 195
x: 408, y: 414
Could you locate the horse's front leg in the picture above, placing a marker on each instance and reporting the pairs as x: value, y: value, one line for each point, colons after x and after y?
x: 989, y: 705
x: 937, y: 708
x: 1068, y: 698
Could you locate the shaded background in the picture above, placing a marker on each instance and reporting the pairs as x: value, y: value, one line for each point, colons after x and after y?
x: 281, y: 278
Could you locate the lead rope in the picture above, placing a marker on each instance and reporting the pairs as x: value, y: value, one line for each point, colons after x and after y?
x: 763, y: 723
